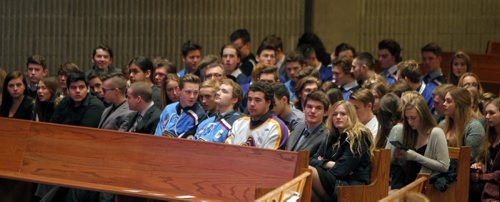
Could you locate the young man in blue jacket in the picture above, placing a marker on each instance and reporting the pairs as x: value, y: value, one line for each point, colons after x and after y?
x: 181, y: 118
x: 216, y: 128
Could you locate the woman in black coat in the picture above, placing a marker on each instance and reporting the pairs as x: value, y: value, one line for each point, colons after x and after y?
x: 15, y: 104
x: 345, y: 155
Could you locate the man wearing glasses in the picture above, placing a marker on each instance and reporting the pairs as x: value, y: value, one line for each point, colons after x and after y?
x: 115, y: 116
x: 215, y: 71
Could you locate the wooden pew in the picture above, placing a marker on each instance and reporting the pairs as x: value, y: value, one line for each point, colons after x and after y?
x: 291, y: 190
x: 142, y: 165
x: 493, y: 48
x: 416, y: 186
x: 379, y: 186
x: 458, y: 190
x: 487, y: 67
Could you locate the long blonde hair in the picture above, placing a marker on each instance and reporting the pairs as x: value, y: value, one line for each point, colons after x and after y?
x: 475, y: 99
x: 462, y: 116
x: 354, y: 130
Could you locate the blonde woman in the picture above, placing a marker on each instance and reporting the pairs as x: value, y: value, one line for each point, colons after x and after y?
x: 470, y: 79
x: 344, y: 156
x: 418, y: 145
x: 460, y: 126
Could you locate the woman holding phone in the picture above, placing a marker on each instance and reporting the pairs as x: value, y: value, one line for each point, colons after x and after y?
x: 418, y: 145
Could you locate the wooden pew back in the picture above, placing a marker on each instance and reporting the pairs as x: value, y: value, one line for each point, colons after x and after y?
x: 416, y: 186
x: 379, y: 186
x: 459, y: 190
x: 493, y: 48
x: 487, y: 67
x: 140, y: 165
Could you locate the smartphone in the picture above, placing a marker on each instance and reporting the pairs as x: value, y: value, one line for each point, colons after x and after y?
x: 399, y: 145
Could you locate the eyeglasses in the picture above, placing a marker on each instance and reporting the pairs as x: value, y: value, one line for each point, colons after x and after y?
x: 216, y: 75
x: 107, y: 89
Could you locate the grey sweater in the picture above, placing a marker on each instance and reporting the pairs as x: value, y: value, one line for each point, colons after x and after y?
x: 435, y: 159
x: 473, y: 134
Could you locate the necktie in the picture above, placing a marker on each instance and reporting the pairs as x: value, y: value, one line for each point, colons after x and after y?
x: 303, y: 135
x: 137, y: 120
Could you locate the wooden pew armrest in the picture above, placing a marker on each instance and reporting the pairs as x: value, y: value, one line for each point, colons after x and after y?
x: 297, y: 187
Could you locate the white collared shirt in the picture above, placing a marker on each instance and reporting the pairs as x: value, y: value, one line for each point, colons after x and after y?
x: 372, y: 125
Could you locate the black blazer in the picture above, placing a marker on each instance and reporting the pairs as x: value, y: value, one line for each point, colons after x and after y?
x: 25, y: 110
x: 351, y: 168
x: 310, y: 143
x: 148, y: 123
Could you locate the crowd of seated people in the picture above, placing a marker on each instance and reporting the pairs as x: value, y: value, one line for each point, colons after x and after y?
x: 337, y: 108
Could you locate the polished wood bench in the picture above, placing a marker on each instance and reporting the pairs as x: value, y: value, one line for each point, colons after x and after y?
x: 459, y: 190
x: 400, y: 195
x: 141, y: 165
x: 379, y: 185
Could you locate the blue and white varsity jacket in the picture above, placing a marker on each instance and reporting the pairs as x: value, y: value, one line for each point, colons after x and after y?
x: 179, y: 122
x: 216, y: 128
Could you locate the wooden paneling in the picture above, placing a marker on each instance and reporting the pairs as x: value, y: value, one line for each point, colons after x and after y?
x: 453, y: 24
x: 486, y: 67
x: 69, y: 30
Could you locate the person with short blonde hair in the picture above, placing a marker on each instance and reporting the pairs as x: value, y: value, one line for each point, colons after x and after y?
x: 217, y: 127
x: 208, y: 89
x: 181, y: 118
